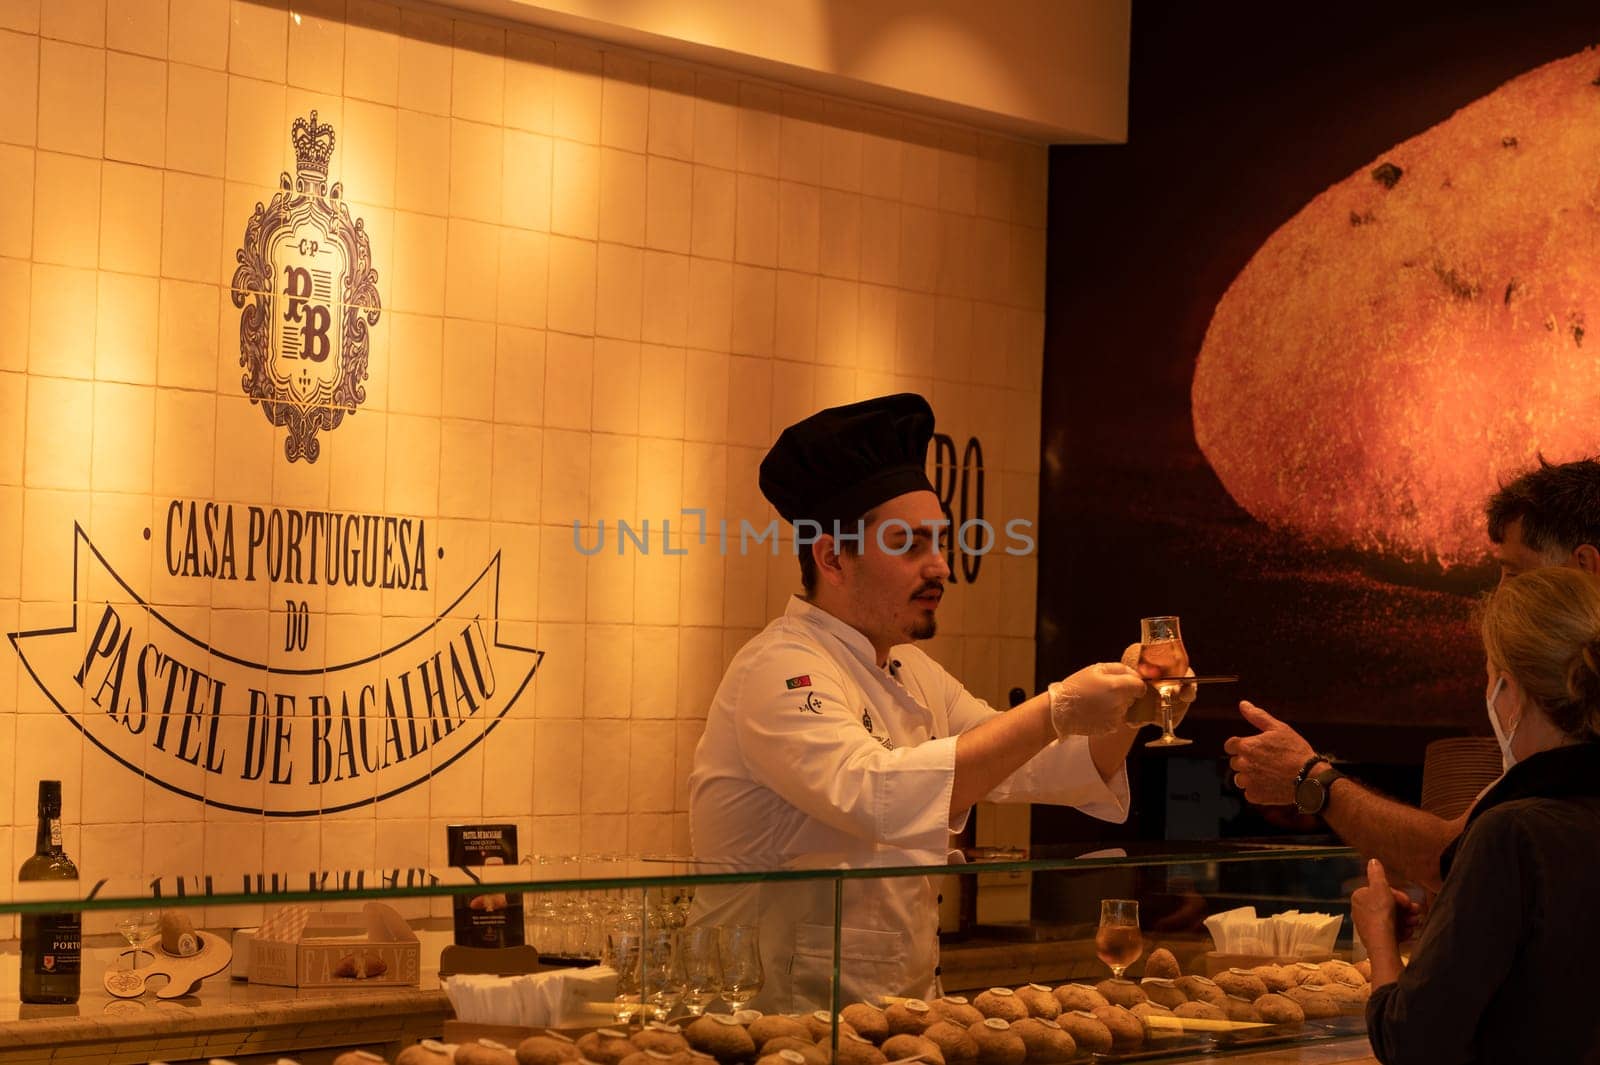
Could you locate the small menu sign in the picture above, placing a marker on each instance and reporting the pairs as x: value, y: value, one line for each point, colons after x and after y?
x: 493, y: 920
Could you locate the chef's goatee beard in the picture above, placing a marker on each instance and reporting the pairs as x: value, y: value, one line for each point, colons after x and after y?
x: 924, y: 630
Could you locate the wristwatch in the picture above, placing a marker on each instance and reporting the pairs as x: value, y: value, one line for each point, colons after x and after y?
x: 1311, y: 789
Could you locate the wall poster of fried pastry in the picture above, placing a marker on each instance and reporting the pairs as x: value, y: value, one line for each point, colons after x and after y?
x: 1342, y: 283
x: 491, y: 920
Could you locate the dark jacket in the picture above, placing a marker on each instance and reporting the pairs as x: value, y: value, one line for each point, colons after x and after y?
x: 1506, y: 968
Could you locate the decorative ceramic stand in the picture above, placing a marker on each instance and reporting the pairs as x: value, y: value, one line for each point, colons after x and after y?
x: 183, y: 974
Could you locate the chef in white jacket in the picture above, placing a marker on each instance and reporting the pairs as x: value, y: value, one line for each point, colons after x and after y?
x: 831, y: 733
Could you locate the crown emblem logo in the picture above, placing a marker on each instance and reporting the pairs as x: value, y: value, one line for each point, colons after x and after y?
x: 313, y: 146
x: 308, y: 296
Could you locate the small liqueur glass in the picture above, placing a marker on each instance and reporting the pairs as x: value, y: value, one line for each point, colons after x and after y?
x: 1118, y: 941
x: 1163, y: 662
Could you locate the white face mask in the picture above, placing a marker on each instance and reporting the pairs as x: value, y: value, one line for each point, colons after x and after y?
x: 1502, y: 737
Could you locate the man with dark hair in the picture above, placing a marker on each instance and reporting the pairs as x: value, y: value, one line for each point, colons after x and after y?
x: 832, y: 734
x: 1549, y: 516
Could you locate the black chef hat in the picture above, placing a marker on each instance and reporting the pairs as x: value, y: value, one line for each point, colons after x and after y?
x: 841, y: 462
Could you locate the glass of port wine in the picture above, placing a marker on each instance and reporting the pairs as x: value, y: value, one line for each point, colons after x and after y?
x: 1118, y: 941
x: 1163, y: 663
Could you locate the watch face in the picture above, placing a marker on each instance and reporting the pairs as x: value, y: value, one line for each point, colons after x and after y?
x: 1308, y: 796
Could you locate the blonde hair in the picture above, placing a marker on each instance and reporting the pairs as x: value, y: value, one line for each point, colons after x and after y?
x: 1543, y: 627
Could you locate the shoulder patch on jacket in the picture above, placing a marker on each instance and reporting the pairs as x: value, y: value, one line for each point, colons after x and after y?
x: 802, y: 681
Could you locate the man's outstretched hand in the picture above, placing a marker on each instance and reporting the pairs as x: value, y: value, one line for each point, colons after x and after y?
x: 1265, y: 765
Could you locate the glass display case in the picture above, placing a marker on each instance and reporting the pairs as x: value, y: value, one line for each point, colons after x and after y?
x: 627, y: 941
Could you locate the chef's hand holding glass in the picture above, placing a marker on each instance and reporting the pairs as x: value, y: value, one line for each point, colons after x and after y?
x: 1094, y: 701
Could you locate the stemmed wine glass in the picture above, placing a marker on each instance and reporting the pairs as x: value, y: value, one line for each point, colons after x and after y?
x: 626, y: 957
x: 702, y: 967
x: 1118, y: 942
x: 742, y: 976
x: 663, y: 974
x: 137, y: 926
x: 1163, y: 663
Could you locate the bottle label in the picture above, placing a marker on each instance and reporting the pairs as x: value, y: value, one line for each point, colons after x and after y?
x: 59, y: 943
x: 55, y: 833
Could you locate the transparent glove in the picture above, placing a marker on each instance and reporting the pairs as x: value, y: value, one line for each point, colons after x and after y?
x: 1094, y: 700
x: 1147, y: 709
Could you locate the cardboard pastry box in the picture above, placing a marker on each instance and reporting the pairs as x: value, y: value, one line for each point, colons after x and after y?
x: 300, y: 947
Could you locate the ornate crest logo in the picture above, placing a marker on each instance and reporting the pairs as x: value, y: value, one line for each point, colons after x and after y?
x: 309, y: 293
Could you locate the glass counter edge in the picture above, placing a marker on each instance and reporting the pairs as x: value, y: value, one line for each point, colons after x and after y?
x: 114, y: 893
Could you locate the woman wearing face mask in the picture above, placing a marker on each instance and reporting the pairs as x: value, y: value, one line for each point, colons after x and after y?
x: 1506, y: 966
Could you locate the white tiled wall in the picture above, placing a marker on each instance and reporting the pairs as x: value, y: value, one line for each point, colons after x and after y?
x: 607, y: 282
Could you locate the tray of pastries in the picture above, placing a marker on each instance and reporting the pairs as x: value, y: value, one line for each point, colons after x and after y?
x: 1107, y: 1021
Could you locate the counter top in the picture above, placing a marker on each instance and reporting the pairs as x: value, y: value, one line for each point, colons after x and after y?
x: 254, y: 1023
x: 227, y: 1018
x: 1344, y: 1051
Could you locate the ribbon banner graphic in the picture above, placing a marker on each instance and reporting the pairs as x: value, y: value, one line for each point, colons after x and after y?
x: 263, y: 738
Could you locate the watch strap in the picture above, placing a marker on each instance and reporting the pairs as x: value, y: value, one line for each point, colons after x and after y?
x: 1305, y: 770
x: 1324, y: 781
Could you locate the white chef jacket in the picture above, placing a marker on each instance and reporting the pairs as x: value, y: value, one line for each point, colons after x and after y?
x: 811, y: 747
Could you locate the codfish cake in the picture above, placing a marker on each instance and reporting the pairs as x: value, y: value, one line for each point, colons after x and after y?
x: 1002, y: 1002
x: 1127, y: 1031
x: 427, y: 1052
x: 957, y: 1010
x: 954, y: 1041
x: 1163, y: 992
x: 1144, y: 1010
x: 606, y: 1046
x: 1241, y: 1009
x: 902, y: 1047
x: 1275, y: 977
x: 668, y: 1038
x: 1039, y: 1000
x: 720, y: 1036
x: 1046, y: 1041
x: 997, y: 1043
x: 1079, y: 997
x: 1318, y: 1002
x: 1087, y: 1030
x: 765, y: 1029
x: 1279, y: 1009
x: 1342, y: 972
x: 1163, y: 964
x: 868, y: 1020
x: 1241, y: 982
x: 1201, y: 1011
x: 911, y: 1017
x: 854, y: 1050
x: 551, y: 1048
x: 1200, y: 989
x: 485, y: 1052
x: 1122, y: 993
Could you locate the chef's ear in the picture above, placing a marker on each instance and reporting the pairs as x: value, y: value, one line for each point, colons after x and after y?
x: 830, y: 567
x: 1587, y: 558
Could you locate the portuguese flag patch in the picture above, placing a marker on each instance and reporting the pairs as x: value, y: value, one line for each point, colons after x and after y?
x: 802, y: 681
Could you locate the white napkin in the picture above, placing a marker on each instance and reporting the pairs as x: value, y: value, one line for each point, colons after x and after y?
x: 555, y: 998
x: 1290, y: 934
